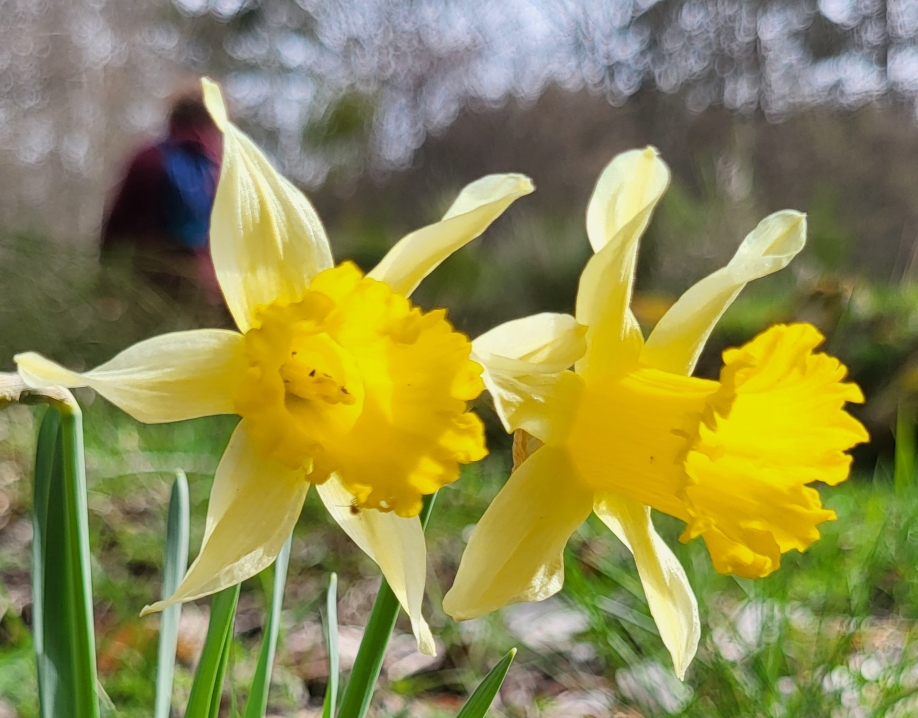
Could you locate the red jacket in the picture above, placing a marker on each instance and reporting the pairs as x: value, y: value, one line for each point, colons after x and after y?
x: 136, y: 214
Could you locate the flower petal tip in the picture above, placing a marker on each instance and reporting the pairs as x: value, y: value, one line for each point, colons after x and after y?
x: 526, y: 185
x: 682, y: 662
x: 39, y: 372
x: 213, y: 101
x: 452, y: 610
x: 426, y: 644
x: 792, y: 214
x: 153, y: 608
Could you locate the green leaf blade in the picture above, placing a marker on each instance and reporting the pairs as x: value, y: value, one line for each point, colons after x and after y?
x: 480, y: 701
x: 207, y: 688
x: 64, y: 635
x: 174, y: 565
x: 257, y: 702
x: 904, y: 474
x: 331, y: 647
x: 368, y: 664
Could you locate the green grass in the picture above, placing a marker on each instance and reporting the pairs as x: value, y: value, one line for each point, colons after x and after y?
x: 829, y: 634
x: 832, y: 630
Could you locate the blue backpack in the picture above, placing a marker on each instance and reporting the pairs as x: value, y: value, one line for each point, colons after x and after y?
x: 191, y: 183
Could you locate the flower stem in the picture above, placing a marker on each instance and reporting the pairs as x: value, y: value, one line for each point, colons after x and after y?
x: 362, y: 681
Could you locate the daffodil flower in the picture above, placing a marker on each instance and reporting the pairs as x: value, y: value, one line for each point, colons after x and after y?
x: 340, y: 381
x: 629, y: 429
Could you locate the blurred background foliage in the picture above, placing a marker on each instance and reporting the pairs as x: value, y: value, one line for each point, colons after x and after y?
x: 382, y: 110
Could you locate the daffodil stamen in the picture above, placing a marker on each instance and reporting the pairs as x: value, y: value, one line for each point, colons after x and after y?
x: 314, y: 370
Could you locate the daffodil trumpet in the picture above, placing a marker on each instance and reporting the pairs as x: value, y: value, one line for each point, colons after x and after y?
x: 629, y: 429
x: 338, y: 379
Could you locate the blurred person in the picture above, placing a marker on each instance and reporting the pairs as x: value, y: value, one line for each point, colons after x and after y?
x: 160, y: 212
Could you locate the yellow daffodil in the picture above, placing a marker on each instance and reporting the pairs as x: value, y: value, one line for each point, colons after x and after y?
x: 629, y: 429
x: 340, y: 381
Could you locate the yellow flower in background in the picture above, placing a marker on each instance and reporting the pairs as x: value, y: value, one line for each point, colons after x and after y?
x: 629, y: 429
x: 340, y: 381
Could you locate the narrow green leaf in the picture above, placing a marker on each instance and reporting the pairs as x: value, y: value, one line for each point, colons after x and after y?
x: 905, y: 450
x: 627, y: 614
x: 479, y: 702
x: 45, y: 455
x: 331, y: 647
x: 174, y: 565
x: 257, y: 702
x: 427, y: 509
x: 367, y: 665
x: 217, y: 695
x: 63, y: 630
x: 204, y: 701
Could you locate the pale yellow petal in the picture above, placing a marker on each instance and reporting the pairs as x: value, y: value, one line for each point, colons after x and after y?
x: 171, y: 377
x: 524, y: 362
x: 622, y: 204
x: 477, y: 206
x: 516, y: 550
x: 254, y: 504
x: 542, y: 404
x: 629, y: 183
x: 395, y: 543
x: 266, y: 239
x: 679, y: 337
x: 604, y: 306
x: 666, y: 586
x: 551, y: 341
